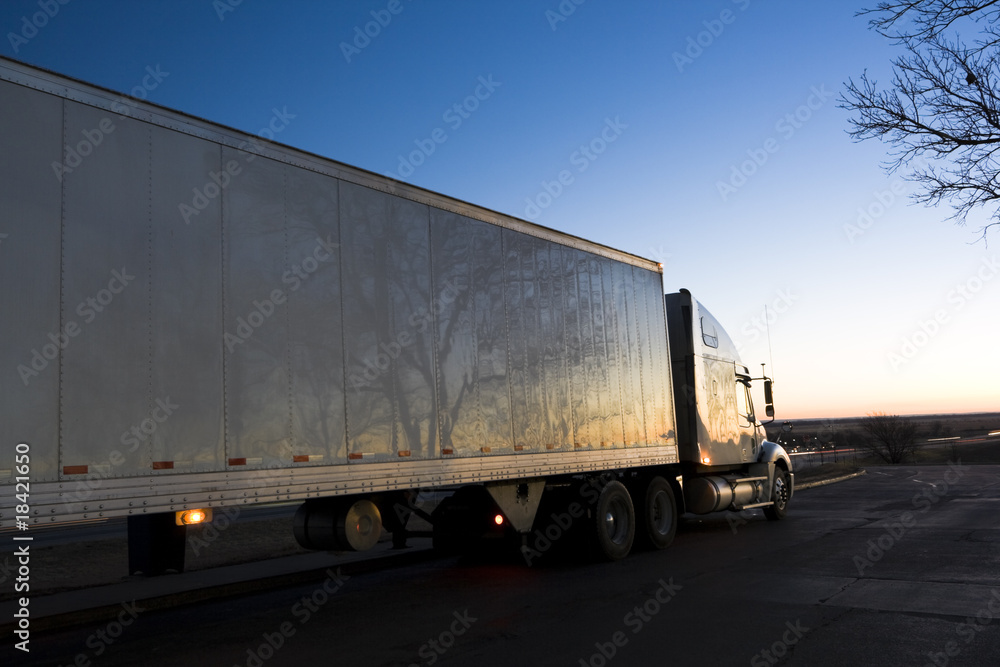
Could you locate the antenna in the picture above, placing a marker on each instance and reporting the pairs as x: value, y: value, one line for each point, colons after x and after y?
x: 767, y: 325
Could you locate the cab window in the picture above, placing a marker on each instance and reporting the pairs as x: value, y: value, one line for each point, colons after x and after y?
x: 744, y: 404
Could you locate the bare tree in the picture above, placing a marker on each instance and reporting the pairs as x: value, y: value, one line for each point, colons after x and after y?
x: 941, y: 112
x: 891, y: 437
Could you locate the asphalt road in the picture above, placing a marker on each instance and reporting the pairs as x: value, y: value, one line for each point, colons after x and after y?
x: 899, y: 567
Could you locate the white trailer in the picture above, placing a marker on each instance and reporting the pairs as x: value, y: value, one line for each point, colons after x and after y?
x: 195, y: 318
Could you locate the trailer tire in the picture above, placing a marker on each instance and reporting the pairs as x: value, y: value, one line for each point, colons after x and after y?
x: 779, y: 496
x: 657, y: 516
x: 613, y: 522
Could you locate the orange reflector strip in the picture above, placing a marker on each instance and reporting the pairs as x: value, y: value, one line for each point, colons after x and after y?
x: 518, y: 448
x: 300, y: 458
x: 577, y: 444
x: 163, y: 465
x: 550, y: 446
x: 404, y: 452
x: 485, y: 450
x: 354, y: 456
x: 447, y: 451
x: 237, y: 462
x: 74, y: 470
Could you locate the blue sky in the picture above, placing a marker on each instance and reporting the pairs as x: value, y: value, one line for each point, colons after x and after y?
x: 705, y: 135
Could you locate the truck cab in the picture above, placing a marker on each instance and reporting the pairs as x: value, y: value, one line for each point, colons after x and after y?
x: 718, y: 430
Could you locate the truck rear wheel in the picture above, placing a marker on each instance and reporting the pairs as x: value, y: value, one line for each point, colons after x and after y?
x: 657, y: 516
x: 613, y: 522
x: 779, y: 496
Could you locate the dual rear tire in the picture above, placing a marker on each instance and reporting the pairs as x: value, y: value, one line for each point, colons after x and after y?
x: 643, y: 513
x: 659, y: 514
x: 617, y: 523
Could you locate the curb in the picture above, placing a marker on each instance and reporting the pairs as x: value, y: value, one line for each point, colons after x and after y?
x: 107, y: 612
x: 832, y: 480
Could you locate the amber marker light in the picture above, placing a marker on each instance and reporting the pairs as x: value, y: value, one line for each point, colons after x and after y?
x: 706, y: 460
x: 498, y: 519
x: 191, y: 517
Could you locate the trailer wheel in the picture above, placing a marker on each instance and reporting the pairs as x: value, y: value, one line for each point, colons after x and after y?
x: 614, y: 522
x: 658, y: 514
x: 779, y: 496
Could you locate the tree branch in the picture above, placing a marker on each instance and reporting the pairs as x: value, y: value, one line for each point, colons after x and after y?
x: 940, y: 114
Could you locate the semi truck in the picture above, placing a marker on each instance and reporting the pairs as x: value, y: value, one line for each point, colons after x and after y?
x: 196, y: 318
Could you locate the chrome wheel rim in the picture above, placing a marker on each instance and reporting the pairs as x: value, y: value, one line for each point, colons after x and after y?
x: 616, y: 521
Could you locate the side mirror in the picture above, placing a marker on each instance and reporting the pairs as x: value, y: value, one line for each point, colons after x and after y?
x: 768, y: 399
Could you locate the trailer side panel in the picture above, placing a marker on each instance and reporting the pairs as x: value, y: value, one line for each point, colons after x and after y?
x: 255, y: 324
